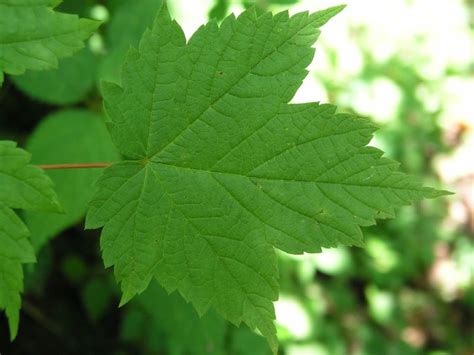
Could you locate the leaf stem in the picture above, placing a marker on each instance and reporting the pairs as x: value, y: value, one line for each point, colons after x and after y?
x: 36, y: 314
x: 75, y: 166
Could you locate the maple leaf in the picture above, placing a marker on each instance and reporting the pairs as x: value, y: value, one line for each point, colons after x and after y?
x: 34, y: 36
x: 220, y: 168
x: 26, y: 187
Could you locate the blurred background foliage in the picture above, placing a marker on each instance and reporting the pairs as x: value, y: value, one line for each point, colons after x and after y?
x: 406, y: 64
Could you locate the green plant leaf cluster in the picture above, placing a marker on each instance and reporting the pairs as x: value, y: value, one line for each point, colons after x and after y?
x: 75, y: 77
x: 34, y: 36
x: 22, y: 186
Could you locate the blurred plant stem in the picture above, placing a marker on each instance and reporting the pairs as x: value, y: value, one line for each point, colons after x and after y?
x: 36, y: 314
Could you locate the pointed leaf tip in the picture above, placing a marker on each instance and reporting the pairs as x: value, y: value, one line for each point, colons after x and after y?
x: 337, y: 9
x: 322, y: 17
x: 126, y: 297
x: 434, y: 193
x: 13, y: 316
x: 164, y: 7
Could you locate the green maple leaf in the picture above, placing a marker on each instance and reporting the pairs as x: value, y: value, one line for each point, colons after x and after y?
x: 26, y: 187
x: 34, y: 36
x: 220, y: 168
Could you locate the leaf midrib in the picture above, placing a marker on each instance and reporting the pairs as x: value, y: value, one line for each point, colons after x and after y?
x: 42, y: 38
x: 254, y: 178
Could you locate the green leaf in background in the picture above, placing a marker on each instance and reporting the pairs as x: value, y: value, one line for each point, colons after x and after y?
x: 73, y: 136
x: 68, y: 84
x: 282, y: 2
x: 263, y: 5
x: 77, y: 7
x: 183, y: 331
x: 34, y: 36
x: 221, y: 168
x: 219, y: 10
x: 98, y: 295
x: 26, y: 187
x: 128, y: 22
x: 245, y: 342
